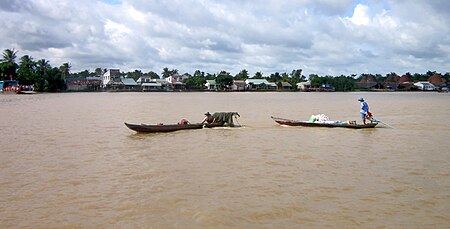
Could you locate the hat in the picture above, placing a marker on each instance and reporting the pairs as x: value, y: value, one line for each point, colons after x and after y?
x: 207, y: 113
x: 361, y: 99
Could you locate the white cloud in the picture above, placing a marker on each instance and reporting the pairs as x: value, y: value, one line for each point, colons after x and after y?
x: 360, y: 15
x: 318, y: 36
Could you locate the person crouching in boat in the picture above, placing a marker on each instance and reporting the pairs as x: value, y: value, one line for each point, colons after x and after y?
x: 209, y: 118
x: 364, y: 110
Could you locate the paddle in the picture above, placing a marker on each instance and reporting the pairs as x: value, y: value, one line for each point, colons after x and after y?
x: 371, y: 118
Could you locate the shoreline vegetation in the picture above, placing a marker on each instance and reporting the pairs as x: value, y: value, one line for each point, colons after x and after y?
x: 42, y: 77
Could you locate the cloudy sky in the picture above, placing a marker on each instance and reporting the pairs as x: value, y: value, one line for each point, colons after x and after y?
x: 325, y: 37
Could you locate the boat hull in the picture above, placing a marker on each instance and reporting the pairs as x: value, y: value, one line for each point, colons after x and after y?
x: 144, y: 128
x: 289, y: 122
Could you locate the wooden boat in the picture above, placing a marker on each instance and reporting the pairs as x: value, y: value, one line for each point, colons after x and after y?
x: 289, y: 122
x: 25, y: 92
x: 212, y: 125
x: 145, y: 128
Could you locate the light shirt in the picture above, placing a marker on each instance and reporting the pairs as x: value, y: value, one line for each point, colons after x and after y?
x: 364, y: 108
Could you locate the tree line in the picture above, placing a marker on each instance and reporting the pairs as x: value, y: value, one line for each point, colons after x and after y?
x: 44, y: 77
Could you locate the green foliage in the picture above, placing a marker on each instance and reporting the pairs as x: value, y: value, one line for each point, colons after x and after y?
x: 224, y: 79
x: 26, y: 73
x: 242, y: 75
x: 53, y: 80
x: 65, y: 70
x: 166, y: 72
x: 152, y: 75
x: 344, y: 83
x: 136, y: 74
x: 258, y: 75
x: 297, y: 76
x: 195, y: 82
x: 198, y: 73
x: 45, y: 78
x: 275, y: 77
x: 8, y: 64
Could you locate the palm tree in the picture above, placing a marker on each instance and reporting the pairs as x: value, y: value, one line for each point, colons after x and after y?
x: 42, y: 69
x: 9, y: 56
x: 9, y: 62
x: 26, y: 71
x: 65, y: 70
x: 43, y: 66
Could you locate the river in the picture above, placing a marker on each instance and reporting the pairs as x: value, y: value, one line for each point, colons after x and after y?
x: 68, y: 161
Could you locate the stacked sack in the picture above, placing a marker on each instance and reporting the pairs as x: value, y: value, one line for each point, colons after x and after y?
x: 319, y: 118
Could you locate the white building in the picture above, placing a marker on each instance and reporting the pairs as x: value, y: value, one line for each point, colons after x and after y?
x: 304, y: 85
x: 176, y: 78
x: 255, y: 84
x: 110, y: 77
x: 425, y: 86
x: 211, y: 85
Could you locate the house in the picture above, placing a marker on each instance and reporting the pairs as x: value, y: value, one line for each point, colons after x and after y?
x: 111, y: 79
x: 83, y: 84
x: 128, y: 83
x: 438, y: 82
x: 425, y: 86
x: 392, y: 82
x: 304, y: 85
x: 142, y: 80
x: 285, y: 86
x: 151, y: 86
x: 176, y: 81
x: 238, y: 85
x: 260, y: 84
x: 211, y: 85
x: 369, y: 82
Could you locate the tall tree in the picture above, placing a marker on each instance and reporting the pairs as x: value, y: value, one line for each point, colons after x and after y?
x: 98, y: 72
x: 195, y: 82
x: 199, y: 73
x: 54, y: 81
x: 26, y: 72
x: 152, y: 75
x: 42, y: 69
x: 242, y: 75
x: 224, y: 79
x: 166, y: 72
x: 8, y: 63
x: 275, y: 77
x: 297, y: 76
x: 258, y: 75
x: 65, y: 70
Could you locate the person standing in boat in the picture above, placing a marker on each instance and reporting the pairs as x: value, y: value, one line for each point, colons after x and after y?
x: 364, y: 110
x: 208, y: 118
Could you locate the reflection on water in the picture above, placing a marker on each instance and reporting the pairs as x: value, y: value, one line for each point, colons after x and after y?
x: 67, y: 160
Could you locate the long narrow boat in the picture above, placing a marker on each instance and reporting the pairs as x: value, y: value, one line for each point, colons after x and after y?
x: 289, y: 122
x: 145, y: 128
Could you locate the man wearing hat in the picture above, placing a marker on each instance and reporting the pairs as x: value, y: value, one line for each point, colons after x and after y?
x: 364, y: 110
x: 208, y: 118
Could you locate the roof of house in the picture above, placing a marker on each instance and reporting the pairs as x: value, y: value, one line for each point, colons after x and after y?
x: 436, y: 79
x: 239, y: 82
x: 256, y: 81
x: 403, y: 79
x: 211, y: 82
x: 307, y: 83
x: 152, y: 84
x: 423, y: 83
x: 286, y: 84
x: 129, y: 82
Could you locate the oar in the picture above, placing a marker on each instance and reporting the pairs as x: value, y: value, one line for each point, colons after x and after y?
x: 376, y: 120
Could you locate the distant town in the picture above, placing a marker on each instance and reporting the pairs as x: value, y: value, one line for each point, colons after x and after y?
x: 40, y: 76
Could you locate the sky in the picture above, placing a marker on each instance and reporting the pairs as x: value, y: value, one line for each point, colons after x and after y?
x: 324, y: 37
